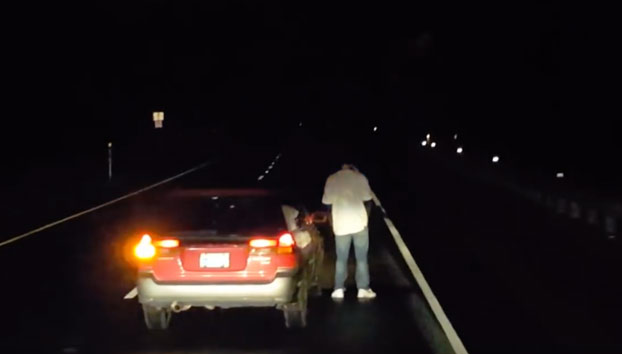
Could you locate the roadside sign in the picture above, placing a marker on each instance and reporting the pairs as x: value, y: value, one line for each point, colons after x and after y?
x: 158, y: 119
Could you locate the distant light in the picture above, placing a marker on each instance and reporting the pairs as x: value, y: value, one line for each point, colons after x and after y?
x: 455, y: 136
x: 215, y: 197
x: 560, y: 175
x: 375, y: 128
x: 433, y: 145
x: 267, y: 171
x: 231, y: 206
x: 428, y: 136
x: 300, y: 124
x: 260, y: 178
x: 424, y: 143
x: 460, y: 150
x: 495, y: 159
x: 109, y: 145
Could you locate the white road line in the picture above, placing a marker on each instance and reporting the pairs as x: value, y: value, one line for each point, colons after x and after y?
x: 450, y: 332
x: 45, y: 227
x: 132, y: 294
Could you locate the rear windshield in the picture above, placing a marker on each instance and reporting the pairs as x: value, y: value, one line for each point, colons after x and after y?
x: 226, y: 215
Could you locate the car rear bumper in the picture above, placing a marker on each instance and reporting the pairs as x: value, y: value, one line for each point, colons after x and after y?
x: 277, y: 292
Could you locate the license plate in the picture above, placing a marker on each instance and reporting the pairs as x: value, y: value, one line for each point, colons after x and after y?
x: 214, y: 260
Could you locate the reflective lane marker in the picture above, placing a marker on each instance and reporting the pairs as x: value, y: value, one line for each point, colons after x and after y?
x: 132, y: 294
x: 45, y: 227
x: 270, y: 167
x: 440, y: 315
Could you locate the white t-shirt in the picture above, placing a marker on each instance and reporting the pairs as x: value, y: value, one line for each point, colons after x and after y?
x: 345, y: 191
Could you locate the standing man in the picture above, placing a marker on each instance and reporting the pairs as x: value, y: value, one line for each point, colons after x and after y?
x: 346, y: 191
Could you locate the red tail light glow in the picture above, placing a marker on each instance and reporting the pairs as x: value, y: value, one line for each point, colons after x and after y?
x: 262, y: 243
x: 286, y: 240
x: 286, y: 244
x: 168, y: 243
x: 144, y: 249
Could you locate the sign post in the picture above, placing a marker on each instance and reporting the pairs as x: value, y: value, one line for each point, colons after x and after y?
x: 110, y: 161
x: 158, y: 119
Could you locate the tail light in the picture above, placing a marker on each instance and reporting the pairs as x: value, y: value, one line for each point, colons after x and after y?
x: 286, y: 240
x: 262, y: 243
x: 168, y: 243
x: 284, y: 244
x: 145, y: 249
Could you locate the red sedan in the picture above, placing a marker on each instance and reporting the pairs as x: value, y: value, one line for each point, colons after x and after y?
x: 236, y: 249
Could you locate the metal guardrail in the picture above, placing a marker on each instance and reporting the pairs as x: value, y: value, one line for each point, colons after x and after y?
x: 562, y: 200
x: 607, y: 216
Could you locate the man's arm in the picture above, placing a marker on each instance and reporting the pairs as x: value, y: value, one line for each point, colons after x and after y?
x: 329, y: 194
x: 368, y: 205
x: 366, y: 192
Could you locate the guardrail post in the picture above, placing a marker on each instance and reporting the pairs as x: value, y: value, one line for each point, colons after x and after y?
x: 610, y: 226
x: 592, y: 216
x: 538, y: 196
x: 575, y: 210
x: 549, y: 202
x: 561, y: 206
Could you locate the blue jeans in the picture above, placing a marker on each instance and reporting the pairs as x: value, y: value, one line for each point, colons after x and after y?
x: 361, y: 246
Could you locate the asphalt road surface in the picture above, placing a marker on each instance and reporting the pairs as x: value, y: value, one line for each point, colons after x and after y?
x: 511, y: 277
x: 63, y: 291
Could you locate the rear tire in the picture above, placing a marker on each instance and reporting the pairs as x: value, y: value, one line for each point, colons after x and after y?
x: 156, y: 318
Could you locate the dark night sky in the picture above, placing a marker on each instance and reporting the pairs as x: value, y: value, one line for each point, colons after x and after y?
x: 510, y: 78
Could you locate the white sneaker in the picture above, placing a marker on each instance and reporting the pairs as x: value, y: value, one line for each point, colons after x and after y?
x: 366, y: 294
x: 338, y: 294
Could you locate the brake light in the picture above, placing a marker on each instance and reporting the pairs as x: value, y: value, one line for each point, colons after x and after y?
x: 144, y: 249
x: 286, y: 243
x: 262, y: 243
x: 286, y: 240
x: 168, y: 243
